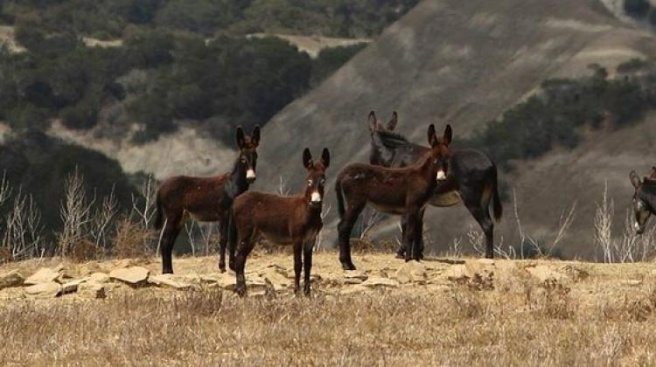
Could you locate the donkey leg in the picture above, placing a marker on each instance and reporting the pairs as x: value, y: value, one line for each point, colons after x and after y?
x: 245, y: 247
x: 307, y: 265
x: 223, y: 241
x: 419, y: 235
x: 171, y: 232
x: 298, y: 265
x: 482, y: 216
x: 409, y: 240
x: 344, y: 228
x: 232, y: 241
x: 400, y: 253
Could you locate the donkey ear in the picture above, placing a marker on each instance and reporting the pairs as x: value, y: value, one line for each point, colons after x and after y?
x: 307, y: 159
x: 635, y: 179
x: 653, y: 173
x: 325, y: 158
x: 372, y: 121
x: 432, y: 139
x: 255, y: 136
x: 448, y: 134
x: 392, y: 123
x: 241, y: 140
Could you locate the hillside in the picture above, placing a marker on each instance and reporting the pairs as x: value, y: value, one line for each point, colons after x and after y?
x: 466, y: 63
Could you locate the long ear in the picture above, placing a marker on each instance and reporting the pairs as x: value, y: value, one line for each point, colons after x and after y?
x: 307, y: 159
x: 255, y: 136
x: 241, y: 140
x: 392, y: 123
x: 372, y: 121
x: 432, y: 139
x: 325, y: 157
x: 448, y: 134
x: 635, y: 179
x: 653, y: 173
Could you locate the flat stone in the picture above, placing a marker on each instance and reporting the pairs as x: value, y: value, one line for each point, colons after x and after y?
x: 99, y: 278
x: 411, y: 271
x: 71, y: 286
x: 11, y: 279
x: 278, y: 280
x: 44, y: 290
x: 380, y: 282
x: 45, y: 275
x: 170, y: 281
x: 134, y: 275
x: 355, y: 274
x: 91, y: 290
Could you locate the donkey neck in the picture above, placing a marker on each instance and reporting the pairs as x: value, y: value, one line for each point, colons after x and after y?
x: 237, y: 182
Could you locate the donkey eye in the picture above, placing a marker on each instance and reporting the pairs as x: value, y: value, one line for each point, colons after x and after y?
x: 309, y: 182
x: 322, y: 181
x: 243, y: 159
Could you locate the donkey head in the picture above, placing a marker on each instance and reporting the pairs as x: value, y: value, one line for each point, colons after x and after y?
x: 248, y: 152
x: 645, y: 192
x: 316, y: 177
x: 440, y: 151
x: 375, y: 125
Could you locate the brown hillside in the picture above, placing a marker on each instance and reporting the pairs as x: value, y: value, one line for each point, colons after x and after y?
x: 466, y: 62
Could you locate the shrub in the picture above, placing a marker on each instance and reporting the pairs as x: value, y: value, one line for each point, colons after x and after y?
x: 636, y: 8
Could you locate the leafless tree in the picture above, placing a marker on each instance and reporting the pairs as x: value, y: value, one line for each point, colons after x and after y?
x: 603, y: 222
x: 103, y: 219
x: 75, y: 212
x: 23, y: 237
x: 143, y: 205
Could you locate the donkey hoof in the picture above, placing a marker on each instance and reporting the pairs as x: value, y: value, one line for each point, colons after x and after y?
x: 348, y: 266
x: 241, y: 291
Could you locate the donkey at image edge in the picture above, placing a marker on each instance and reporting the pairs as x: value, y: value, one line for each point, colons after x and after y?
x: 294, y: 220
x: 644, y: 199
x: 206, y: 199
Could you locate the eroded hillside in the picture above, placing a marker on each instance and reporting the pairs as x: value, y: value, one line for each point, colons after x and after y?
x: 467, y: 62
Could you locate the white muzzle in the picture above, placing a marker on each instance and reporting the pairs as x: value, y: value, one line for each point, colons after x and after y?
x: 316, y: 197
x: 440, y: 175
x: 250, y: 174
x: 636, y: 226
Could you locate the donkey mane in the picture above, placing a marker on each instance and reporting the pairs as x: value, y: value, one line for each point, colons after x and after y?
x: 392, y: 140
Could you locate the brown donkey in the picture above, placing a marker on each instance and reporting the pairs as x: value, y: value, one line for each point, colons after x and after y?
x: 294, y: 220
x: 206, y: 199
x: 402, y: 191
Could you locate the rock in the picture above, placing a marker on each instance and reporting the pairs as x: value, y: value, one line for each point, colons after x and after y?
x: 354, y: 277
x: 91, y: 290
x: 278, y: 281
x: 44, y: 290
x: 135, y: 275
x: 222, y: 280
x: 458, y: 273
x: 411, y: 271
x: 171, y: 281
x: 380, y: 282
x: 633, y: 282
x: 71, y: 286
x: 99, y: 278
x: 11, y: 279
x: 45, y: 275
x: 544, y: 273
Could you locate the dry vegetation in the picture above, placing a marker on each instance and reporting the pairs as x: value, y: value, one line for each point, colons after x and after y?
x: 506, y: 313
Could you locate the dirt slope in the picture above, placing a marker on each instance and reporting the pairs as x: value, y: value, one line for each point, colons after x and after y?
x: 463, y: 62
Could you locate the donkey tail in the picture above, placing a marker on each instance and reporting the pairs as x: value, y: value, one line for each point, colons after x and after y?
x: 340, y: 198
x: 497, y: 208
x: 159, y: 216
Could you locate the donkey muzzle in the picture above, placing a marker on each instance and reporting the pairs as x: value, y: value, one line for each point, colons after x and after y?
x: 441, y: 176
x: 250, y: 175
x: 315, y: 198
x: 638, y: 228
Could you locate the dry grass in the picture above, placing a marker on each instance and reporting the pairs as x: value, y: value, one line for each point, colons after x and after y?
x: 596, y: 320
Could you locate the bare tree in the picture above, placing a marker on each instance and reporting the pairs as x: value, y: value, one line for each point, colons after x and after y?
x: 143, y: 206
x: 23, y: 231
x: 603, y: 222
x: 75, y: 212
x: 324, y: 213
x: 368, y: 220
x: 103, y: 219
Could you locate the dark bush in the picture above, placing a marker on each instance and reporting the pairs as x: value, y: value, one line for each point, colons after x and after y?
x: 636, y: 8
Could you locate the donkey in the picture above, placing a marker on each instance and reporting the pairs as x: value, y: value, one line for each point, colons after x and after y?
x: 644, y: 199
x: 206, y: 199
x: 402, y: 191
x: 294, y: 220
x: 473, y: 179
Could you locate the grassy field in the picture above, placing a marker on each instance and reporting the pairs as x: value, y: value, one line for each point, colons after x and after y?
x: 459, y: 312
